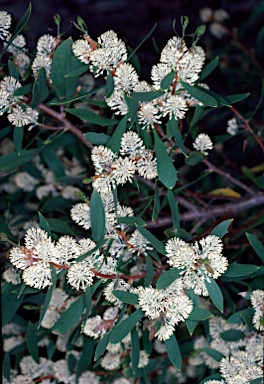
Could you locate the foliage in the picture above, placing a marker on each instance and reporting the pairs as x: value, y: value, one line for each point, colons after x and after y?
x: 131, y: 225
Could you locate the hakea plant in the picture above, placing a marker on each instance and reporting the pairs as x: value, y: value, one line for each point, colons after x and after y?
x: 122, y: 305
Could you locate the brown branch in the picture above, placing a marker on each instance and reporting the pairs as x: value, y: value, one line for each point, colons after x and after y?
x: 212, y: 212
x: 248, y: 127
x: 66, y: 123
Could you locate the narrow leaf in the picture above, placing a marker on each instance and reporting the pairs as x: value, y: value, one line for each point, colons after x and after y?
x: 70, y: 317
x: 43, y: 223
x: 40, y: 89
x: 200, y: 95
x: 135, y: 349
x: 237, y: 270
x: 97, y: 215
x: 32, y: 341
x: 131, y: 220
x: 149, y: 271
x: 48, y: 295
x: 78, y: 71
x: 191, y: 325
x: 167, y: 173
x: 174, y: 352
x: 168, y: 277
x: 200, y: 314
x: 126, y: 297
x: 124, y: 327
x: 175, y: 212
x: 101, y: 346
x: 146, y: 96
x: 257, y: 245
x: 167, y: 80
x: 209, y: 68
x: 87, y: 115
x: 142, y: 41
x: 173, y: 126
x: 152, y: 239
x: 232, y: 99
x: 109, y: 85
x: 232, y: 335
x: 215, y: 294
x: 6, y: 366
x: 216, y: 355
x: 133, y: 106
x: 97, y: 138
x: 85, y: 361
x: 222, y: 228
x: 156, y: 208
x: 115, y: 139
x: 18, y: 136
x: 194, y: 158
x: 13, y: 160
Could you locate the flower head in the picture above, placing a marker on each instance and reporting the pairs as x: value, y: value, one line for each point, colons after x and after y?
x: 203, y: 143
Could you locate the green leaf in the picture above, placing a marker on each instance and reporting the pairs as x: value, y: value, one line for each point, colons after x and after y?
x: 13, y: 160
x: 149, y: 271
x: 175, y: 212
x: 131, y: 220
x: 60, y: 226
x: 168, y: 277
x: 167, y: 173
x: 87, y: 115
x: 10, y: 302
x: 209, y: 68
x: 256, y: 244
x: 101, y: 346
x: 18, y: 28
x: 152, y: 239
x: 156, y: 208
x: 70, y: 317
x: 200, y: 314
x: 81, y: 95
x: 85, y: 361
x: 109, y: 84
x: 222, y: 228
x: 174, y: 352
x: 53, y: 162
x: 173, y: 126
x: 48, y: 295
x: 78, y: 71
x: 238, y: 317
x: 88, y: 296
x: 232, y: 99
x: 64, y: 62
x: 216, y: 355
x: 6, y: 366
x: 133, y: 106
x: 142, y: 41
x: 232, y: 335
x: 257, y: 381
x: 146, y: 96
x: 32, y: 341
x: 115, y: 140
x: 40, y: 89
x: 215, y: 294
x: 167, y: 80
x: 194, y: 158
x: 18, y: 136
x: 13, y: 72
x: 124, y: 327
x: 200, y: 95
x: 97, y: 215
x: 24, y: 90
x: 126, y: 297
x: 43, y: 223
x: 236, y: 270
x: 97, y: 138
x: 135, y: 349
x: 191, y: 325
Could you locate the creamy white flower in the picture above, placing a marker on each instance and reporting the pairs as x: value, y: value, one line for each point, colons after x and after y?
x: 88, y: 377
x: 21, y: 257
x: 12, y: 275
x: 118, y: 284
x: 206, y: 14
x: 174, y: 105
x: 125, y: 78
x: 173, y: 52
x: 46, y: 45
x: 94, y: 327
x: 38, y: 275
x: 232, y: 126
x: 5, y: 24
x: 158, y: 72
x: 80, y: 275
x: 140, y: 244
x: 221, y: 15
x: 122, y: 380
x: 192, y: 65
x: 181, y: 254
x: 26, y: 182
x: 17, y: 45
x: 257, y: 301
x: 12, y: 342
x: 82, y: 50
x: 111, y: 361
x: 67, y: 250
x: 123, y: 170
x: 80, y: 214
x: 21, y: 117
x: 102, y: 159
x: 217, y: 30
x: 148, y: 115
x: 62, y: 373
x: 41, y: 61
x: 203, y: 143
x: 117, y: 102
x: 131, y: 145
x: 143, y: 359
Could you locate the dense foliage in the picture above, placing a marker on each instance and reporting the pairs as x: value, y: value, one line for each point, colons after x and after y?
x: 131, y: 226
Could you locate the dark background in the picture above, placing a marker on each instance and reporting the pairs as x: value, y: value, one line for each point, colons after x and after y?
x: 131, y: 19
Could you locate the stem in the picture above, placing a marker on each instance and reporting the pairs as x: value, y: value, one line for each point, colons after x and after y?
x: 248, y: 127
x: 66, y: 123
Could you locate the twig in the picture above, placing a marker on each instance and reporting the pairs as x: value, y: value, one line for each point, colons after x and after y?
x: 248, y: 127
x: 66, y: 123
x: 228, y: 210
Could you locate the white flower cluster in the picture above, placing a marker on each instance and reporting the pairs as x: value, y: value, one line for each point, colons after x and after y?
x: 200, y: 261
x: 40, y: 251
x: 19, y: 114
x: 165, y: 307
x: 257, y: 301
x: 46, y: 46
x: 203, y: 143
x: 110, y: 54
x: 5, y: 24
x: 111, y: 170
x: 232, y: 126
